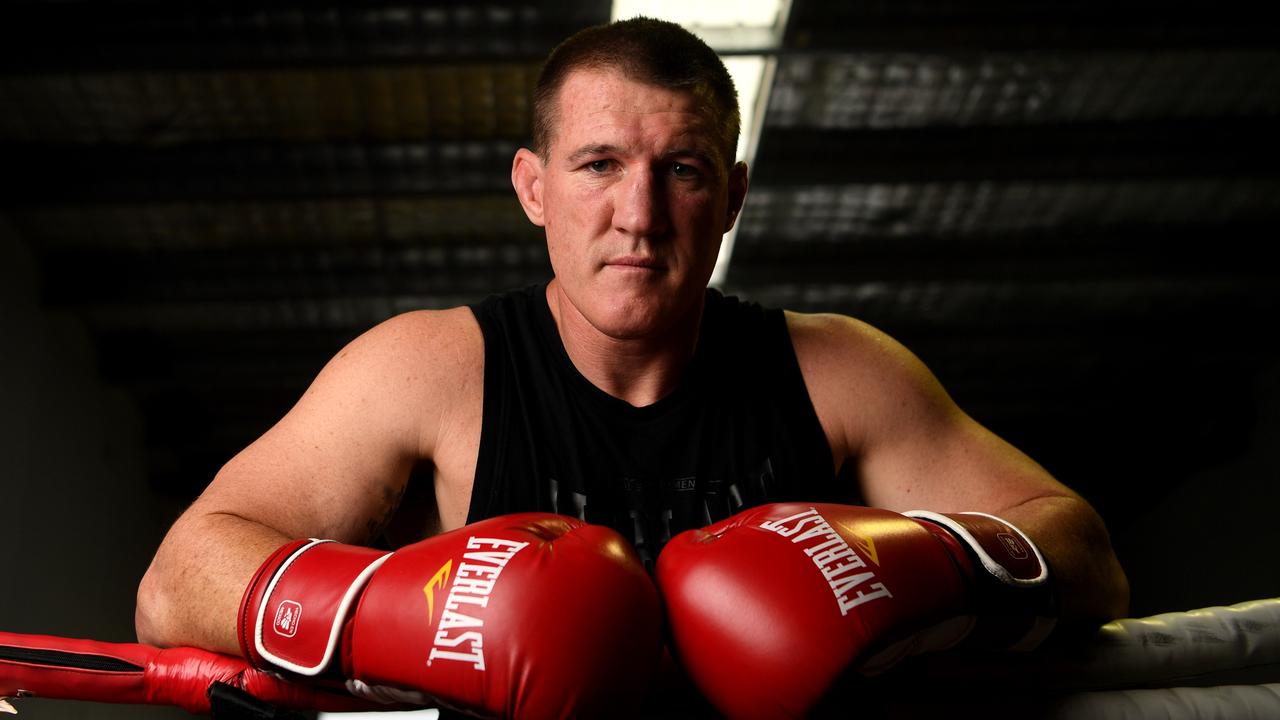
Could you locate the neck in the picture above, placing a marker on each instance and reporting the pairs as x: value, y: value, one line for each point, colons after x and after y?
x: 639, y: 370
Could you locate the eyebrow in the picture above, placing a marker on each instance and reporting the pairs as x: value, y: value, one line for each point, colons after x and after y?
x: 587, y: 151
x: 697, y: 153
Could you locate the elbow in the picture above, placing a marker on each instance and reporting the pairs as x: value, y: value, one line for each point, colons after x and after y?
x: 150, y: 616
x: 191, y: 593
x: 1111, y: 595
x: 1099, y: 586
x: 163, y: 616
x: 1116, y: 603
x: 1103, y: 598
x: 1091, y: 584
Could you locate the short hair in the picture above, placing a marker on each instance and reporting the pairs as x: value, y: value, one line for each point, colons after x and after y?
x: 645, y: 50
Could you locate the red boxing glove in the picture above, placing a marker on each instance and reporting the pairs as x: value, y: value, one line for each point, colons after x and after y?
x: 55, y: 667
x: 770, y: 607
x: 529, y: 615
x: 1011, y: 593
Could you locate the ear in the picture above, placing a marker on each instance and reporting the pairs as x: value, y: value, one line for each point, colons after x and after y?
x: 737, y: 193
x: 526, y: 177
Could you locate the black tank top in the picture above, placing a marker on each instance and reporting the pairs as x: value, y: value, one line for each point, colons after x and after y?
x: 738, y: 431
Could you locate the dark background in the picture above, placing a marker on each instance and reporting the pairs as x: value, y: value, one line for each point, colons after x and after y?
x: 1066, y: 209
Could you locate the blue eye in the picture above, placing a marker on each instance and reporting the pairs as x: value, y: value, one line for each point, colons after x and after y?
x: 684, y: 171
x: 598, y: 166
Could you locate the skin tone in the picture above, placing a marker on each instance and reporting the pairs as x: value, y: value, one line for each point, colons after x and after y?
x: 634, y: 195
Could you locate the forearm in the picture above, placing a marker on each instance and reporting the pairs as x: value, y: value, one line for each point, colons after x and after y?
x: 191, y: 593
x: 1089, y: 581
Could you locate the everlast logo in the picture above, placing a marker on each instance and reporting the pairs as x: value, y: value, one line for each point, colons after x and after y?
x: 288, y: 615
x: 1012, y: 546
x: 835, y: 559
x: 460, y: 636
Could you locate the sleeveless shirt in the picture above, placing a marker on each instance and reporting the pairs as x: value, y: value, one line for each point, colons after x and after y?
x: 739, y: 429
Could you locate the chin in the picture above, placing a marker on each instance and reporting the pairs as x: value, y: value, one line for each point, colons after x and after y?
x: 630, y: 324
x: 643, y: 316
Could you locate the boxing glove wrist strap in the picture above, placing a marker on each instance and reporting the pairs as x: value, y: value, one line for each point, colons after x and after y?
x: 1016, y: 607
x: 292, y: 612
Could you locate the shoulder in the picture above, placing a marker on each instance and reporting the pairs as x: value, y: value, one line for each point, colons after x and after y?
x: 422, y: 342
x: 862, y: 381
x: 840, y: 347
x: 349, y: 443
x: 411, y: 369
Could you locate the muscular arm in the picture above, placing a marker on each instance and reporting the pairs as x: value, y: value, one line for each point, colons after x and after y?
x: 335, y: 467
x: 915, y: 449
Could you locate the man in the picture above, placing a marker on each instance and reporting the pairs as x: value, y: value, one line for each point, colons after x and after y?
x: 621, y: 392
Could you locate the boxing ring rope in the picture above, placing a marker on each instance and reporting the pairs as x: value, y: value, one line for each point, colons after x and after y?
x: 1218, y: 662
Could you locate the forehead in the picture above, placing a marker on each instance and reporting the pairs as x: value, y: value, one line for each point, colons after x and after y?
x: 598, y: 105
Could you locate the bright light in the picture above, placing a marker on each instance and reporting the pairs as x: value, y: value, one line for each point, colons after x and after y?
x: 750, y: 32
x: 753, y: 76
x: 747, y: 71
x: 756, y: 13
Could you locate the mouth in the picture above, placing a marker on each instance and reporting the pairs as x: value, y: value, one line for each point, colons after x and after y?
x: 634, y: 263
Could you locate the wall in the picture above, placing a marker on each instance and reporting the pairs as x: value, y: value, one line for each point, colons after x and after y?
x: 79, y: 522
x: 1212, y: 539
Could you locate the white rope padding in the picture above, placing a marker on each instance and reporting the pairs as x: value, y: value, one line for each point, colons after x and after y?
x: 1218, y: 662
x: 1200, y: 647
x: 1230, y: 702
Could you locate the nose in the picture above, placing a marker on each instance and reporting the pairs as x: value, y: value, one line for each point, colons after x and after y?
x: 640, y: 204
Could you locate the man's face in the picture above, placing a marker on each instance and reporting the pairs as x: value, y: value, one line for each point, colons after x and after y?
x: 634, y: 197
